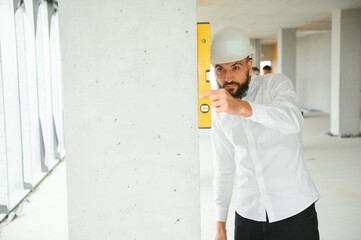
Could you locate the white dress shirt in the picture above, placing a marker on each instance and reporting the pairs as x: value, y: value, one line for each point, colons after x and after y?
x: 262, y: 154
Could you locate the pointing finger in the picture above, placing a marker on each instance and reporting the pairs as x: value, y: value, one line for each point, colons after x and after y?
x: 206, y: 94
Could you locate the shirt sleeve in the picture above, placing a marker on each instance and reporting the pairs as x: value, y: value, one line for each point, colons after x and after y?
x: 224, y: 171
x: 283, y: 113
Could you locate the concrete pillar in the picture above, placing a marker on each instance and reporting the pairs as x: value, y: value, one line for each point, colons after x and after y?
x: 130, y: 92
x: 257, y: 52
x: 346, y: 72
x: 286, y: 52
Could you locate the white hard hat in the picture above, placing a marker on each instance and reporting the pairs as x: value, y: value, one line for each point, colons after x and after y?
x: 229, y: 45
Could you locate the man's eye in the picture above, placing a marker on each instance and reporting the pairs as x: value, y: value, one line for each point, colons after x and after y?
x: 235, y: 68
x: 219, y: 70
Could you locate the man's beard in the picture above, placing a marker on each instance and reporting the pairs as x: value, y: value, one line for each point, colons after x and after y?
x: 241, y: 90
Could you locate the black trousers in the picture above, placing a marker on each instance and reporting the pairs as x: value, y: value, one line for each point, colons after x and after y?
x: 302, y: 226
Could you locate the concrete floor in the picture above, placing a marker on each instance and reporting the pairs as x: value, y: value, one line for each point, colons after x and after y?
x: 44, y: 214
x: 334, y: 163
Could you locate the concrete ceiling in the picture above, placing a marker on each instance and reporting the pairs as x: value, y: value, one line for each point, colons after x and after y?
x: 263, y: 18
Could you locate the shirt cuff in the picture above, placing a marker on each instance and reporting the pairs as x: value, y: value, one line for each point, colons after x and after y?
x: 259, y: 112
x: 221, y: 214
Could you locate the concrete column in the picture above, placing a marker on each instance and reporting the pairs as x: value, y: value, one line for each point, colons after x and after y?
x: 346, y: 72
x: 257, y: 52
x: 130, y: 92
x: 286, y: 52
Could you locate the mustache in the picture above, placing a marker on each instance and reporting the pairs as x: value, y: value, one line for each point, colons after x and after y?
x: 230, y: 83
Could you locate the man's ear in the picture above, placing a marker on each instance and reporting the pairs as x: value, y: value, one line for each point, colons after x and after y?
x: 249, y: 65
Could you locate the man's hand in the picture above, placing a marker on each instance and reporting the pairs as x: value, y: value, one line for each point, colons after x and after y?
x: 221, y: 233
x: 223, y: 101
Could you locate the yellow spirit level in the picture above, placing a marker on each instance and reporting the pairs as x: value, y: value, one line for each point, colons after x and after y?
x: 204, y: 62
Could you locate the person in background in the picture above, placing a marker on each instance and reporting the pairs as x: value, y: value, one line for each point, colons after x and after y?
x: 255, y: 71
x: 256, y: 138
x: 267, y: 69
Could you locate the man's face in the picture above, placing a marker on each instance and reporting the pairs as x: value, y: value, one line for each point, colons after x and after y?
x: 266, y: 71
x: 234, y: 77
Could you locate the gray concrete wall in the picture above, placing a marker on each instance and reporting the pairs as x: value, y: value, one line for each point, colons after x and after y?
x: 266, y: 53
x: 313, y: 75
x: 286, y: 53
x: 346, y: 72
x: 129, y: 70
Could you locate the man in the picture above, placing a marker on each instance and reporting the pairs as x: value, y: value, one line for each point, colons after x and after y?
x: 256, y: 140
x: 267, y: 69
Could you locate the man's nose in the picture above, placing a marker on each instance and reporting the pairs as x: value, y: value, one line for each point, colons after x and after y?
x: 228, y: 78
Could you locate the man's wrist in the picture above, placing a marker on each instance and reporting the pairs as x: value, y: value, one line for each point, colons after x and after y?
x: 221, y: 226
x: 245, y: 109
